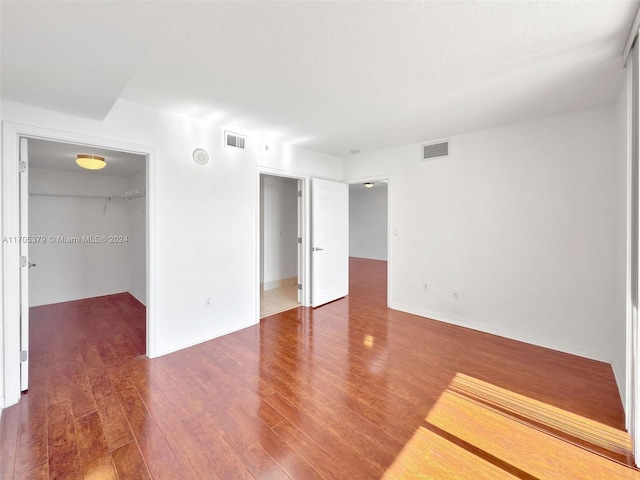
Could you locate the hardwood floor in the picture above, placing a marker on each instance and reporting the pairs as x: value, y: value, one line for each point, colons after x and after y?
x: 351, y: 390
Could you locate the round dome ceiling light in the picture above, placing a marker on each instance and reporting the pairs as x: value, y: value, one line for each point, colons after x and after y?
x: 91, y: 162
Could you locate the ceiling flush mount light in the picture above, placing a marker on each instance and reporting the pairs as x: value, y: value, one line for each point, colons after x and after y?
x: 368, y: 185
x: 200, y: 156
x: 355, y: 151
x: 90, y: 162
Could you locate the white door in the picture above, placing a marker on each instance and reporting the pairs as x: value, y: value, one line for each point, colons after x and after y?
x: 24, y: 264
x: 330, y: 241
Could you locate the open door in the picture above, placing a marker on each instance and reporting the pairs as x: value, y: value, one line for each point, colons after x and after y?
x: 24, y: 264
x: 330, y: 241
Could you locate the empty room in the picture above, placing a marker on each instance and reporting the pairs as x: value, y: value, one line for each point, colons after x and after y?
x: 308, y: 239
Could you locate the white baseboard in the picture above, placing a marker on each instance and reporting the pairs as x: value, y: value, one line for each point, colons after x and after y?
x: 81, y: 297
x: 140, y: 298
x: 285, y: 282
x: 512, y: 335
x: 198, y: 342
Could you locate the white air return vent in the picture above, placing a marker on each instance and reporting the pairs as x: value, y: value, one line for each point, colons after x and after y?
x: 435, y: 150
x: 234, y: 140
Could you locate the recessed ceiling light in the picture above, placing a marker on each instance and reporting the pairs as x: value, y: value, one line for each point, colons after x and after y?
x: 90, y: 162
x: 355, y: 151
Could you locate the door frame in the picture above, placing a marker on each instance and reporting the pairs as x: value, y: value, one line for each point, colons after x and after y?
x: 303, y: 225
x: 10, y: 207
x: 380, y: 178
x: 23, y: 192
x: 632, y: 393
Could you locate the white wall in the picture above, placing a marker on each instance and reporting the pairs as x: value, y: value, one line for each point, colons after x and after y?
x: 138, y: 240
x: 368, y: 221
x: 68, y: 271
x: 203, y: 218
x: 523, y: 220
x: 279, y: 224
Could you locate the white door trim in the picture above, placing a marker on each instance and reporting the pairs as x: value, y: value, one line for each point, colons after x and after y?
x: 305, y: 259
x: 633, y: 255
x: 23, y: 191
x: 10, y: 203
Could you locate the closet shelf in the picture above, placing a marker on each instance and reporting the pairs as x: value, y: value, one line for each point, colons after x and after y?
x: 136, y: 193
x: 128, y: 196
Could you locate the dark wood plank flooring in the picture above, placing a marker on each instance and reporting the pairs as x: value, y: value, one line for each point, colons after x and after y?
x: 351, y: 390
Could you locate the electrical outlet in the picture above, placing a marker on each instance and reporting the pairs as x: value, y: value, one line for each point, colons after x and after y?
x: 208, y: 301
x: 425, y: 287
x: 456, y: 293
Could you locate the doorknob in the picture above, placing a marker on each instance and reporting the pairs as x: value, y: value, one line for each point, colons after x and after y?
x: 31, y: 264
x: 316, y: 249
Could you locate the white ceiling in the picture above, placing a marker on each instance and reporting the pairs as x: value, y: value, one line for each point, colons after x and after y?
x: 62, y: 156
x: 329, y: 76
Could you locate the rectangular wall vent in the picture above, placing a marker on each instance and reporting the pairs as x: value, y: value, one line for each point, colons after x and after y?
x: 234, y: 140
x: 435, y: 150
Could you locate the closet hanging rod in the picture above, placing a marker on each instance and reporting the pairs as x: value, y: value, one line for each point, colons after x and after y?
x: 137, y: 193
x: 68, y: 195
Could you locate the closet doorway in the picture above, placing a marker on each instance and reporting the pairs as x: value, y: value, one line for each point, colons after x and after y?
x: 93, y: 223
x: 87, y: 281
x: 280, y: 235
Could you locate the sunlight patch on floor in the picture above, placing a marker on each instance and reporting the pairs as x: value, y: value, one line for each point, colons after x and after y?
x: 429, y: 456
x: 542, y: 414
x: 478, y: 430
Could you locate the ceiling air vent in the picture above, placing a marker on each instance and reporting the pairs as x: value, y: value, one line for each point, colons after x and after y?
x: 234, y: 140
x: 435, y: 150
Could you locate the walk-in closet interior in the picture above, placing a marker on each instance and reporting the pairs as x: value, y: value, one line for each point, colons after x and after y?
x: 90, y: 225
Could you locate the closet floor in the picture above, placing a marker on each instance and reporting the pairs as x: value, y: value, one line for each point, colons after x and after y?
x: 278, y: 300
